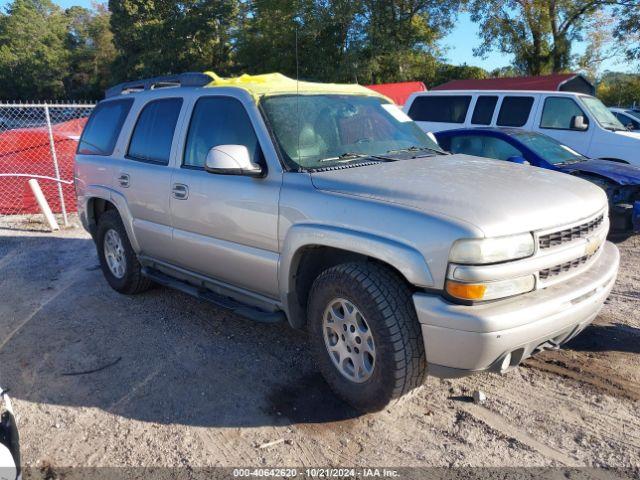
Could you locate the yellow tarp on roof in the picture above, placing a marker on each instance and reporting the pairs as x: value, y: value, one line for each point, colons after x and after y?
x: 278, y: 84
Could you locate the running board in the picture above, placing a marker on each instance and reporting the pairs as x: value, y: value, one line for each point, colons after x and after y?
x: 241, y: 309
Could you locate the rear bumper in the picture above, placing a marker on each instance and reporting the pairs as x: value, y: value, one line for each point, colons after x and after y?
x: 462, y: 339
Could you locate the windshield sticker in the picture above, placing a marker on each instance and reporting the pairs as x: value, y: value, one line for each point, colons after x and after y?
x: 396, y: 112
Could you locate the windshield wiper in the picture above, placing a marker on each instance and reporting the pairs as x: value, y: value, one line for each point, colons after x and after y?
x: 345, y: 157
x: 414, y: 148
x: 571, y: 162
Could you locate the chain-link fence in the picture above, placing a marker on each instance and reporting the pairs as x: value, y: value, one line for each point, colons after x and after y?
x: 39, y: 141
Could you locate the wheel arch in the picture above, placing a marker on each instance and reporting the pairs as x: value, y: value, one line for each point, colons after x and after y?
x: 617, y: 160
x: 101, y: 200
x: 310, y: 249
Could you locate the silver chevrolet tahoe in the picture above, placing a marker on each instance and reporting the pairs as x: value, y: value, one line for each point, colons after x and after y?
x: 324, y: 206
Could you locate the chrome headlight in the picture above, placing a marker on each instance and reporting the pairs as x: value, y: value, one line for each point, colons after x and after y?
x: 479, y: 251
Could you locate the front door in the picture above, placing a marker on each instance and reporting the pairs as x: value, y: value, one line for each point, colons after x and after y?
x: 225, y: 226
x: 556, y: 121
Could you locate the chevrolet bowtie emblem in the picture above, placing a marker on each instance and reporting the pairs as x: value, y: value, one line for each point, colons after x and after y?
x: 593, y: 243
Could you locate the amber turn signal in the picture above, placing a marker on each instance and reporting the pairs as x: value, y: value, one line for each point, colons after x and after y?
x: 466, y: 291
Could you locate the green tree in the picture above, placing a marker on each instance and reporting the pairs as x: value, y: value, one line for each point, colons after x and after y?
x: 33, y: 57
x: 628, y: 27
x: 446, y: 72
x: 154, y: 37
x: 365, y: 41
x: 508, y: 71
x: 619, y: 89
x: 325, y: 35
x: 91, y: 52
x: 538, y: 33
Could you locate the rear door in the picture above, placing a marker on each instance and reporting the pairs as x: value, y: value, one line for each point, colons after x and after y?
x: 517, y: 111
x: 143, y: 176
x: 435, y: 113
x: 98, y: 141
x: 483, y: 110
x: 225, y: 226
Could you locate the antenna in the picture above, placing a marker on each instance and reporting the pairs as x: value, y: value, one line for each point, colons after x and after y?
x: 297, y: 95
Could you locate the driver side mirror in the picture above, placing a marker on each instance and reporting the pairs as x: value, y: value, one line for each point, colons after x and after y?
x: 518, y: 159
x: 231, y: 160
x: 578, y: 122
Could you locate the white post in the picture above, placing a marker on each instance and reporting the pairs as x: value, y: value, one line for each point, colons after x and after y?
x: 42, y: 203
x: 52, y: 147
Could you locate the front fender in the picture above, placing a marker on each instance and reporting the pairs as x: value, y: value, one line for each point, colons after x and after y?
x: 404, y: 258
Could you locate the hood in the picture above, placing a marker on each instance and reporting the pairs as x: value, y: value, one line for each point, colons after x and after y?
x: 620, y: 173
x: 631, y: 135
x: 497, y: 197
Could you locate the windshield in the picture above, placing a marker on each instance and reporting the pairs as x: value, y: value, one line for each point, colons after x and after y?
x: 320, y: 131
x: 548, y: 148
x: 602, y: 114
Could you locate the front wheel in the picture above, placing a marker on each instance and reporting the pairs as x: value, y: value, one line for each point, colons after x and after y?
x: 365, y: 335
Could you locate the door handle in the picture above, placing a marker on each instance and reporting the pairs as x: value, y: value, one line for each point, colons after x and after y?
x: 124, y: 180
x: 180, y: 191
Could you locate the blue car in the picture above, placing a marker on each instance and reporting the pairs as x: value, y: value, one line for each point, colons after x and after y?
x: 620, y: 181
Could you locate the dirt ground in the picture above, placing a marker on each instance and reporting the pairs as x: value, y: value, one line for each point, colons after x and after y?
x: 189, y: 385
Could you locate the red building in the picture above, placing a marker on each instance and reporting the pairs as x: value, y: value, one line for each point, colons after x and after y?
x: 558, y: 82
x: 400, y: 91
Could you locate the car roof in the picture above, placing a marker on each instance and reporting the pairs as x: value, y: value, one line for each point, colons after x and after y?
x: 257, y: 86
x: 500, y: 92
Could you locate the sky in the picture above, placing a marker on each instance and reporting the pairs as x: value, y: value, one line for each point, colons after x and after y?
x: 459, y: 43
x: 464, y: 38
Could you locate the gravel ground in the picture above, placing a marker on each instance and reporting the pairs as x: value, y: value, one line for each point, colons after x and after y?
x: 189, y: 385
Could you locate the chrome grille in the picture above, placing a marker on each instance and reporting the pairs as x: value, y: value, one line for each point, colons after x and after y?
x: 564, y: 267
x: 569, y: 234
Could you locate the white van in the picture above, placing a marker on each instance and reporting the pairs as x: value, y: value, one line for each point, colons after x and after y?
x: 580, y: 121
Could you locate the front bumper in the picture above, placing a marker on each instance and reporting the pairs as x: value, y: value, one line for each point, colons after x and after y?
x: 462, y: 339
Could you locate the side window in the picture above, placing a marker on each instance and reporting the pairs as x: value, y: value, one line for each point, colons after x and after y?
x: 514, y: 111
x: 153, y: 133
x: 499, y: 149
x: 558, y: 112
x: 627, y: 121
x: 467, y: 144
x: 483, y: 111
x: 489, y: 147
x: 444, y: 108
x: 622, y: 118
x: 103, y: 127
x: 219, y: 121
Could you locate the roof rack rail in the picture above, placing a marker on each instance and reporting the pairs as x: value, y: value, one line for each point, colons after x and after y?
x: 189, y: 79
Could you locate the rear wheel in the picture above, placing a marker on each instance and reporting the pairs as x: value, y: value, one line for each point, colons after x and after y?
x: 365, y: 335
x: 118, y: 261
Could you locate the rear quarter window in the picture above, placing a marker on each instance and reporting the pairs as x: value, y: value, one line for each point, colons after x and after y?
x: 444, y: 108
x: 103, y: 127
x: 514, y: 111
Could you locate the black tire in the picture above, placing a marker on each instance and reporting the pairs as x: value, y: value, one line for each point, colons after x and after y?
x: 133, y: 281
x: 385, y: 301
